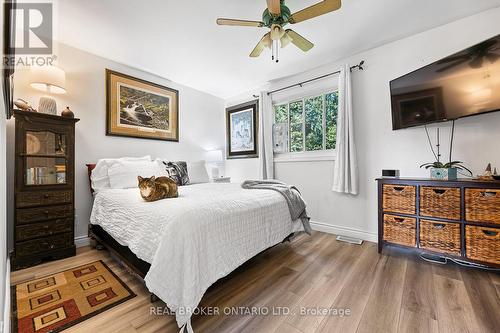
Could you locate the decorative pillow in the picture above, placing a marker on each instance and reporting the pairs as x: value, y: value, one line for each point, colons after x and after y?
x: 123, y: 174
x: 100, y: 177
x: 197, y: 172
x: 177, y: 171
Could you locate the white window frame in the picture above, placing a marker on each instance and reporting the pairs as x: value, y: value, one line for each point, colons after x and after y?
x: 305, y: 156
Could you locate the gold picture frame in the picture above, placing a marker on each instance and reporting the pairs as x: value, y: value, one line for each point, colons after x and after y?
x: 140, y: 109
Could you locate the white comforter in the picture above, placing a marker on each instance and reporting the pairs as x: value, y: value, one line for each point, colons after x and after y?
x: 196, y: 239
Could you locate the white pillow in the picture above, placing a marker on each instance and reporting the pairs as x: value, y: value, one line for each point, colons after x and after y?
x: 161, y: 167
x: 197, y: 172
x: 123, y: 174
x: 100, y: 178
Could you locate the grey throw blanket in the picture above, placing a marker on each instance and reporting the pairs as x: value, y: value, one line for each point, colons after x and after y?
x: 296, y: 204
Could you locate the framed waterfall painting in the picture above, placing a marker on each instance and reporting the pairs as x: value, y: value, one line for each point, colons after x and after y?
x: 242, y: 130
x: 141, y: 109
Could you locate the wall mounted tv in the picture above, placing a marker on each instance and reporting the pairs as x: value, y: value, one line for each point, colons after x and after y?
x: 464, y: 84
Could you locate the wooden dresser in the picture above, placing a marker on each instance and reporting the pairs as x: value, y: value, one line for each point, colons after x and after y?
x: 460, y: 218
x: 44, y: 188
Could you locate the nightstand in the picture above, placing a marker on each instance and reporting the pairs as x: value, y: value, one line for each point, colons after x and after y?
x: 221, y: 180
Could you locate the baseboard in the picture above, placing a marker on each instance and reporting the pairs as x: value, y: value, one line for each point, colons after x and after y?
x: 345, y: 231
x: 82, y: 241
x: 6, y: 304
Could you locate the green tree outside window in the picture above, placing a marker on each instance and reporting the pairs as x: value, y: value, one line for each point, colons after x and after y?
x: 296, y: 120
x: 312, y: 122
x: 331, y: 112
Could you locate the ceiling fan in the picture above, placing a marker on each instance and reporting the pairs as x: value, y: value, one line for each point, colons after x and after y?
x: 474, y: 56
x: 275, y: 17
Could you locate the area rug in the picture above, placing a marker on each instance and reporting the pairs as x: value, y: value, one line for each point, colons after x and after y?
x: 58, y: 301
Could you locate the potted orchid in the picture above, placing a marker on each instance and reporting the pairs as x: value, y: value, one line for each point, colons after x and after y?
x: 440, y: 170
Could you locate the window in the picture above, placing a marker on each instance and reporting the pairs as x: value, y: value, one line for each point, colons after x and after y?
x: 312, y: 122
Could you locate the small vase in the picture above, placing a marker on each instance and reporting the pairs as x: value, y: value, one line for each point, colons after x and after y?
x: 444, y: 174
x: 47, y: 105
x: 67, y: 113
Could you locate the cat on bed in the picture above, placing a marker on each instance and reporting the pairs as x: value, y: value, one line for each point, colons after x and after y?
x: 153, y: 188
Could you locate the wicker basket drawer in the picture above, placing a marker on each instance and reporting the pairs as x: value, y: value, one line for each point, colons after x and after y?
x: 440, y: 236
x: 44, y: 244
x: 43, y: 229
x: 400, y: 230
x: 482, y: 244
x: 399, y: 199
x: 30, y: 199
x: 482, y: 205
x: 29, y: 215
x: 443, y: 202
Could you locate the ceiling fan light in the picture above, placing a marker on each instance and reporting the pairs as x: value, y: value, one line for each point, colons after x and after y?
x: 276, y: 32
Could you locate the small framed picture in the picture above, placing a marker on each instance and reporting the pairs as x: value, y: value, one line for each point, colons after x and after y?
x: 242, y: 130
x: 141, y: 109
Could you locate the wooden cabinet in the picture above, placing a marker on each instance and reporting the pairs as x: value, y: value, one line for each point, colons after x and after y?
x: 44, y: 188
x: 456, y: 218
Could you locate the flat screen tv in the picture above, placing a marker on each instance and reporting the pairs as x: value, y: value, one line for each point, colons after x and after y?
x: 464, y: 84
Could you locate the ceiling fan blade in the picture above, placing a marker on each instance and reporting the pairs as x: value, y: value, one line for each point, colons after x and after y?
x: 240, y: 23
x: 487, y: 45
x: 456, y: 63
x: 455, y: 58
x: 318, y: 9
x: 299, y: 41
x: 285, y: 40
x: 492, y: 57
x: 476, y: 62
x: 261, y: 45
x: 274, y: 7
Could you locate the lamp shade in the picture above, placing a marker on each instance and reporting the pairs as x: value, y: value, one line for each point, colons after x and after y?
x: 49, y: 79
x: 214, y: 156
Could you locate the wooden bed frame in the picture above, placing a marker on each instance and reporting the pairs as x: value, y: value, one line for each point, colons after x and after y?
x: 128, y: 258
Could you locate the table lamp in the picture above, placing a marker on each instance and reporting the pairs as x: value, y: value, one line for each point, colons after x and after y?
x: 215, y: 158
x: 51, y: 80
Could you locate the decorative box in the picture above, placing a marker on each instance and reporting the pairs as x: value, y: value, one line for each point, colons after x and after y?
x: 444, y: 174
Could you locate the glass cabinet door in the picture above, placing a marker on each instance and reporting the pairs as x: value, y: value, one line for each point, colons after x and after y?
x: 46, y: 158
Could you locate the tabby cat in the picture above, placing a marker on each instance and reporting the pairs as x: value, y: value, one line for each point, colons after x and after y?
x: 153, y: 188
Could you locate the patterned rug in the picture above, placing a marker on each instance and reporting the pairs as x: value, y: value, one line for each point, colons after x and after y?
x: 58, y: 301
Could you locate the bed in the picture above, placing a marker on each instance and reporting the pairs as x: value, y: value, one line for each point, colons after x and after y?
x: 182, y: 246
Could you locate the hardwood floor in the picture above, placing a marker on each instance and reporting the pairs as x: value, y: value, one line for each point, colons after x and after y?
x: 393, y: 292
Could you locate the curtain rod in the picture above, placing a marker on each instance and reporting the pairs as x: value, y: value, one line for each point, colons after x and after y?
x: 358, y: 66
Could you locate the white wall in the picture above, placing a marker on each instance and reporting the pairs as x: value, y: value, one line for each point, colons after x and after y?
x: 3, y: 199
x: 3, y: 208
x: 379, y: 147
x: 201, y: 121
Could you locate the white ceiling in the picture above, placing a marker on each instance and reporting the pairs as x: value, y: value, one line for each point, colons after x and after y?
x: 180, y: 41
